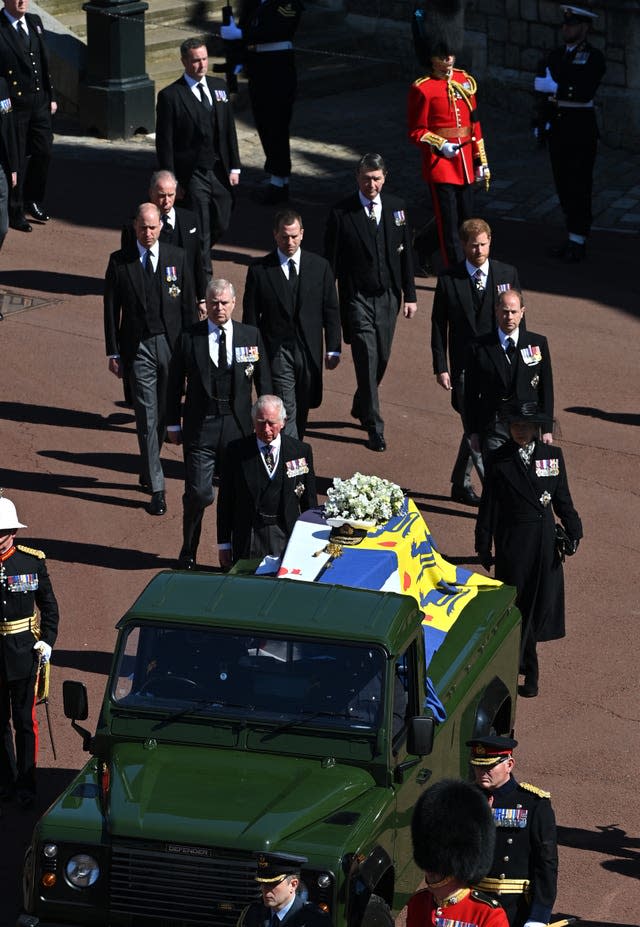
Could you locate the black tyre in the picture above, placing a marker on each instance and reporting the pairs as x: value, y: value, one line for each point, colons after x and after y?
x: 377, y: 913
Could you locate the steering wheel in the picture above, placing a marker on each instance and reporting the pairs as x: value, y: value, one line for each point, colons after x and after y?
x: 171, y: 687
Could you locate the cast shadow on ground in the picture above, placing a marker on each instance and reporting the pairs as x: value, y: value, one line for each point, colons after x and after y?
x: 72, y: 486
x: 89, y: 661
x: 101, y: 555
x: 49, y: 281
x: 619, y: 418
x: 610, y: 840
x: 62, y: 418
x: 117, y: 463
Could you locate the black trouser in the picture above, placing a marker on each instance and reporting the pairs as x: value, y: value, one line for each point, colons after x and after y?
x: 272, y: 91
x: 34, y: 135
x: 372, y: 322
x: 209, y: 196
x: 466, y: 459
x: 292, y: 382
x: 203, y: 454
x: 452, y: 204
x: 573, y: 143
x: 17, y: 709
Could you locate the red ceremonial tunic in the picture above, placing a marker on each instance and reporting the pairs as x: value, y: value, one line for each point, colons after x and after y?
x: 440, y: 106
x: 472, y: 911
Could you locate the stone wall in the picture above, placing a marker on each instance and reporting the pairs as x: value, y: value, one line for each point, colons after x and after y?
x: 505, y: 40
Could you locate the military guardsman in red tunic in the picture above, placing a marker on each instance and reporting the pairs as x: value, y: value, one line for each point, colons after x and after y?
x: 26, y: 640
x: 443, y: 121
x: 453, y: 838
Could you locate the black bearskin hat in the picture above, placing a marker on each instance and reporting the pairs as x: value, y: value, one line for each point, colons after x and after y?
x: 438, y: 29
x: 453, y: 831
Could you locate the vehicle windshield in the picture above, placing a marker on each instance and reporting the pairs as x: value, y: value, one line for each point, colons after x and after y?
x: 207, y: 671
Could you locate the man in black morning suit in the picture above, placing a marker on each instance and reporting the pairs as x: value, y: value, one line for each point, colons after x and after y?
x: 267, y: 481
x: 196, y: 140
x: 368, y: 245
x: 148, y: 300
x: 179, y: 227
x: 510, y: 364
x: 290, y: 295
x: 220, y: 361
x: 25, y: 65
x: 463, y: 310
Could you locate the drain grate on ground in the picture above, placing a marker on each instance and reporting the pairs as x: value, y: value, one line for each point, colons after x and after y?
x: 11, y: 302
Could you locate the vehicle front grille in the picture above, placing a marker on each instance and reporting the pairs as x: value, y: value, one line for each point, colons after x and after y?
x: 170, y: 885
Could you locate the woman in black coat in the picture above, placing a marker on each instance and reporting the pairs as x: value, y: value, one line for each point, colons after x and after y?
x: 525, y: 486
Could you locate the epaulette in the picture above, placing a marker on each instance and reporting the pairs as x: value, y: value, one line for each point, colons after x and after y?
x: 477, y: 895
x: 31, y: 550
x: 536, y: 791
x: 473, y: 83
x: 421, y: 80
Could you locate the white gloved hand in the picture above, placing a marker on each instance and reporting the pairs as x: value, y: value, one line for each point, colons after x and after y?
x: 231, y: 33
x: 534, y: 924
x: 449, y: 150
x: 44, y: 650
x: 545, y: 84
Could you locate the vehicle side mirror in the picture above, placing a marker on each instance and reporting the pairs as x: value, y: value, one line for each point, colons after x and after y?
x: 420, y: 735
x: 75, y: 701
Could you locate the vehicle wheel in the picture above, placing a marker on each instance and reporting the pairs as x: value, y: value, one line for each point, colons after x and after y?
x: 377, y: 913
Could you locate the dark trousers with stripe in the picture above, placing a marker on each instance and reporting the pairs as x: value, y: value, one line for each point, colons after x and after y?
x: 17, y: 711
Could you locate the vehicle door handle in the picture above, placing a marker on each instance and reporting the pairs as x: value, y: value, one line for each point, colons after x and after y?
x: 423, y: 776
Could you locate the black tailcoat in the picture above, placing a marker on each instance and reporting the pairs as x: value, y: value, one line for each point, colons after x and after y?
x: 179, y: 136
x: 455, y: 324
x: 125, y: 301
x: 16, y: 65
x: 185, y: 235
x: 517, y: 513
x: 316, y: 320
x: 245, y: 480
x: 490, y: 380
x: 191, y: 362
x: 349, y: 249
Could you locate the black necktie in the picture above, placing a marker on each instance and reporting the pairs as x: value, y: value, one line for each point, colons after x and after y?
x: 204, y: 99
x: 148, y: 265
x: 223, y: 363
x: 372, y: 211
x: 293, y: 274
x: 24, y: 32
x: 477, y: 279
x: 268, y: 458
x: 510, y: 349
x: 167, y: 227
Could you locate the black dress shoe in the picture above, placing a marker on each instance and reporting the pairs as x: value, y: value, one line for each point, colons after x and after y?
x: 465, y: 495
x: 186, y: 563
x: 20, y: 224
x: 158, y: 505
x: 376, y: 441
x: 528, y: 689
x: 36, y: 210
x: 272, y: 195
x: 575, y: 253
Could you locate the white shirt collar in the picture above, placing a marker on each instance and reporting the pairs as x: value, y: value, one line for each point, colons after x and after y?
x: 503, y: 337
x: 365, y: 200
x: 282, y: 913
x: 284, y: 258
x: 154, y: 249
x: 471, y: 268
x: 275, y: 445
x: 214, y: 329
x: 171, y: 217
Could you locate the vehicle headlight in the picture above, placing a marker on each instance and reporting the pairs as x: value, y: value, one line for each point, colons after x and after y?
x: 324, y: 880
x: 82, y: 870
